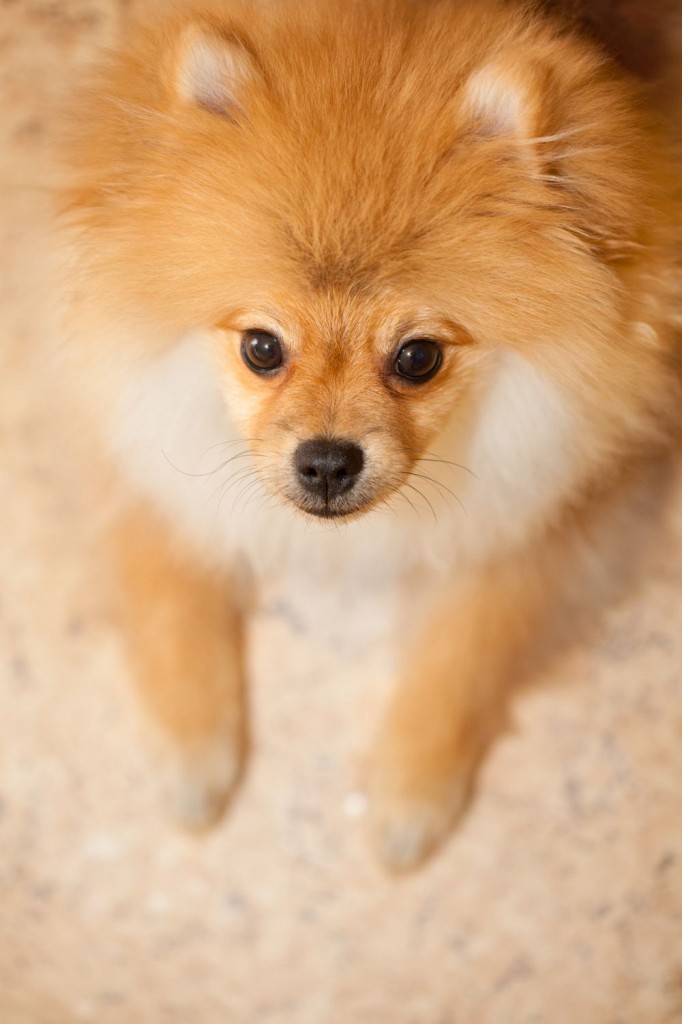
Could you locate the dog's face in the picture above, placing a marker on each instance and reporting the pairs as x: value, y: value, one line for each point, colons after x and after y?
x: 340, y: 396
x: 364, y: 230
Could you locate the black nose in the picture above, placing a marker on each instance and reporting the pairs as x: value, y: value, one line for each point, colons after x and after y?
x: 328, y: 468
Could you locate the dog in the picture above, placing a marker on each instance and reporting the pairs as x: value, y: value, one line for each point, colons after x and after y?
x: 374, y: 260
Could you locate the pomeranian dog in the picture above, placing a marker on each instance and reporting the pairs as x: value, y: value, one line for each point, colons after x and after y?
x: 377, y: 253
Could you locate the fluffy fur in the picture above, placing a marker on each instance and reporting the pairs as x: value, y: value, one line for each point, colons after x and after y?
x: 346, y: 177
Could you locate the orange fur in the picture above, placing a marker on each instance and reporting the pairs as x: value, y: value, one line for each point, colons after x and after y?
x: 350, y: 177
x: 185, y: 642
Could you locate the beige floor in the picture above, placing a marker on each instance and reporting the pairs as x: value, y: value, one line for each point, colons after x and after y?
x: 558, y: 902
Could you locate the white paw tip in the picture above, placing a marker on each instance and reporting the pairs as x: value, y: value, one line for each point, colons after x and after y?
x: 406, y: 845
x: 194, y: 805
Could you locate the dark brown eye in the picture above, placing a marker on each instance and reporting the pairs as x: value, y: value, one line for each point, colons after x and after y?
x: 262, y: 351
x: 419, y: 360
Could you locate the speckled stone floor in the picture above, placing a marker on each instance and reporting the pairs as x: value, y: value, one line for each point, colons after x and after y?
x: 558, y: 902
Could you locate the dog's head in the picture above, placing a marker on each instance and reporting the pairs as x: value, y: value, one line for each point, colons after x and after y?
x: 376, y: 212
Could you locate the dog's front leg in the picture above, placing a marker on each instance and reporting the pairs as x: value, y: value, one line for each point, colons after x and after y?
x: 184, y: 642
x: 450, y: 703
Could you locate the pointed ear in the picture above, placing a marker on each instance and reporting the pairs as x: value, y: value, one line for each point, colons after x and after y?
x: 212, y: 69
x: 507, y: 98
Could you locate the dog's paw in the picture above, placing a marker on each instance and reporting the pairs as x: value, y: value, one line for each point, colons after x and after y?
x: 413, y: 807
x: 197, y: 783
x: 406, y: 832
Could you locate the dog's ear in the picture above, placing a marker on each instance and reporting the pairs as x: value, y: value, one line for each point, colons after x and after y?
x: 506, y: 99
x: 213, y: 68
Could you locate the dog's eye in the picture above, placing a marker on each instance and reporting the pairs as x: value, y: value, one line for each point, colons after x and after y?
x: 262, y: 351
x: 419, y: 360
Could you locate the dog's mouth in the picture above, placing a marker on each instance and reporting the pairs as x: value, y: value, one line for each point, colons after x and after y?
x: 338, y: 480
x: 349, y: 511
x: 327, y: 513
